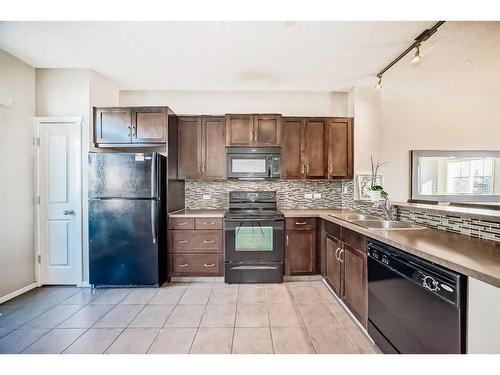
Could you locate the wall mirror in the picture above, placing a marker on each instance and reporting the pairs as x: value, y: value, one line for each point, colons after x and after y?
x: 455, y: 176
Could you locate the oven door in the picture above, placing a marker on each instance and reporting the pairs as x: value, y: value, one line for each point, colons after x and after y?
x: 248, y: 166
x: 254, y: 240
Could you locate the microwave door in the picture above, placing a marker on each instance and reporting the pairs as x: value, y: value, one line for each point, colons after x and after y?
x: 248, y: 166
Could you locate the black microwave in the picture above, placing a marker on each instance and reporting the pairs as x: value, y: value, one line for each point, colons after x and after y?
x: 253, y: 163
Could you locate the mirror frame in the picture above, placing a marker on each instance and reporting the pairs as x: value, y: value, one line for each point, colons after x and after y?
x: 415, y: 175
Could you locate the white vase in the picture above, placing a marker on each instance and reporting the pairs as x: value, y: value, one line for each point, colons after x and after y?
x: 374, y: 195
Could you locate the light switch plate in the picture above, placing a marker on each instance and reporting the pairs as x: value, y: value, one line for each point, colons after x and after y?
x: 317, y: 195
x: 206, y: 196
x: 308, y: 195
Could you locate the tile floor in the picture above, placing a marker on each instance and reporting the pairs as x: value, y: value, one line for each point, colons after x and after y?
x: 293, y: 317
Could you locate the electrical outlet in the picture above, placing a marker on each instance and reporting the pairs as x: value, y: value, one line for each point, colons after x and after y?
x: 317, y: 195
x: 206, y: 196
x: 308, y: 195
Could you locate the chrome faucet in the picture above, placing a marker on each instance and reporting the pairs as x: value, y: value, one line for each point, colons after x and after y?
x: 385, y: 205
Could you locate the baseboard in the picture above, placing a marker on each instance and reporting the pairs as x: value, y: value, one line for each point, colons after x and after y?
x: 18, y: 292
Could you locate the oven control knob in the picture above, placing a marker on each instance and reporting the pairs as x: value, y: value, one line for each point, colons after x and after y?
x: 430, y: 283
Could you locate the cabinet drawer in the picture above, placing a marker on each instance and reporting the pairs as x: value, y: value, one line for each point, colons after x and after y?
x: 299, y: 223
x: 195, y: 241
x: 332, y: 229
x: 208, y: 223
x: 181, y: 223
x: 354, y: 239
x: 195, y: 265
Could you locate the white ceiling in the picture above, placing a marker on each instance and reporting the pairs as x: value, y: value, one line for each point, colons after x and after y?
x: 305, y: 56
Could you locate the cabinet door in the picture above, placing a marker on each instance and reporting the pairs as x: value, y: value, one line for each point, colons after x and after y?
x: 213, y: 133
x: 355, y: 282
x: 300, y: 257
x: 340, y: 150
x: 149, y: 125
x: 189, y: 147
x: 267, y: 130
x: 112, y: 125
x: 333, y: 269
x: 239, y: 130
x: 316, y: 155
x: 293, y: 147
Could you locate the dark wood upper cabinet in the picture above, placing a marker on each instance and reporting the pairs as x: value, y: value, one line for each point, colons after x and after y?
x: 315, y: 149
x: 293, y: 147
x: 253, y: 130
x: 355, y: 282
x: 149, y: 125
x: 300, y: 251
x: 202, y: 152
x: 239, y: 130
x: 340, y: 148
x: 267, y: 130
x: 213, y: 147
x: 189, y: 147
x: 131, y: 126
x: 112, y: 125
x: 333, y: 266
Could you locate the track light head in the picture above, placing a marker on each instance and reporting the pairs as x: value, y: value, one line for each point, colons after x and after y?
x: 416, y: 59
x: 379, y: 84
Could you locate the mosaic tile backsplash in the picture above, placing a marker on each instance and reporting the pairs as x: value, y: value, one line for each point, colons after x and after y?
x: 334, y: 194
x: 290, y: 194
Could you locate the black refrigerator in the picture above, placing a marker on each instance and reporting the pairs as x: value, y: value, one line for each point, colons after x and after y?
x: 128, y: 213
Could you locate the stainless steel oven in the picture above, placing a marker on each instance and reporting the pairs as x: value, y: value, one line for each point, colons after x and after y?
x: 253, y: 163
x: 254, y: 238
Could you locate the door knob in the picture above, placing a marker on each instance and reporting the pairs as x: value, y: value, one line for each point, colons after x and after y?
x: 68, y: 212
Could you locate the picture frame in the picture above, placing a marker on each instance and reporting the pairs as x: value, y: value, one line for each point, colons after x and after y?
x: 364, y: 182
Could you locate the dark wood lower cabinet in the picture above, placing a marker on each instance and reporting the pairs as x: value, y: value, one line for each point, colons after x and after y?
x: 333, y: 269
x: 345, y: 268
x: 300, y: 247
x: 355, y: 282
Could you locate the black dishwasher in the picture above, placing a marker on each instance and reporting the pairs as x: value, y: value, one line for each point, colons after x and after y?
x: 414, y: 306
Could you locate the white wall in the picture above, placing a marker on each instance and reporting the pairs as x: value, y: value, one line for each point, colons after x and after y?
x: 221, y: 102
x: 450, y: 100
x: 17, y: 254
x: 73, y: 92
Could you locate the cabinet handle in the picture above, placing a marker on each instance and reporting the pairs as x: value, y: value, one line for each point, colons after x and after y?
x: 300, y: 223
x: 340, y: 256
x: 135, y: 131
x: 183, y: 265
x: 336, y: 253
x: 303, y: 169
x: 182, y: 241
x: 129, y: 131
x: 329, y: 170
x: 208, y: 241
x: 184, y: 223
x: 307, y: 169
x: 208, y: 223
x: 209, y: 265
x: 287, y: 240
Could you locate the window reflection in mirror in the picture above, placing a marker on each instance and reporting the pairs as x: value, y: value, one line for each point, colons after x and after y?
x: 464, y: 176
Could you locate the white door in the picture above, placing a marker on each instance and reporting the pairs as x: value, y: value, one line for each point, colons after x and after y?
x: 59, y: 184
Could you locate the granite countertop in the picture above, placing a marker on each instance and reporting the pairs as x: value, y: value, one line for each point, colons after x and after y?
x: 186, y: 213
x: 474, y: 257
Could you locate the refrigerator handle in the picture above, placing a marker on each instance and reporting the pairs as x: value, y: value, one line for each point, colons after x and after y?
x: 154, y: 183
x: 153, y: 220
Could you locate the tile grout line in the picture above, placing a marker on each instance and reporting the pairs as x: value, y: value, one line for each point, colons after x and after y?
x: 303, y: 321
x: 235, y: 315
x: 199, y: 323
x: 269, y: 320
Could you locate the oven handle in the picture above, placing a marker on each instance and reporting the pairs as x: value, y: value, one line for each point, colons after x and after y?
x: 252, y: 220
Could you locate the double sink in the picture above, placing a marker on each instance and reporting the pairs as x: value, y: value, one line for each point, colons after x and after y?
x: 372, y: 222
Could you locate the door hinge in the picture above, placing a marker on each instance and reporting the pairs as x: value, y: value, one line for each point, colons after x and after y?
x: 39, y: 259
x: 36, y: 141
x: 38, y: 200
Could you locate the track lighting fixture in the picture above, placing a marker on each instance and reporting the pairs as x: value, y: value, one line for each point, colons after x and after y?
x: 417, y: 56
x: 424, y: 35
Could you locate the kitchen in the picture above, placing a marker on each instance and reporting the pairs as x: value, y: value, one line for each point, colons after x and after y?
x: 219, y: 221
